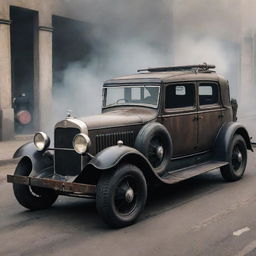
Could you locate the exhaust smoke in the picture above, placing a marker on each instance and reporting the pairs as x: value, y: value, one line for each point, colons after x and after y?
x: 130, y: 35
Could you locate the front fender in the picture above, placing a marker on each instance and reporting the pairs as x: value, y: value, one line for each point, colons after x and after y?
x: 112, y: 156
x: 225, y: 136
x: 39, y: 160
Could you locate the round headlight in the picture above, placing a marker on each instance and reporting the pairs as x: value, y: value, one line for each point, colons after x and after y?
x: 81, y: 143
x: 41, y: 141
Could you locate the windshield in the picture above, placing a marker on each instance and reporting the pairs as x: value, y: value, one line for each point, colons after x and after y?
x: 131, y: 95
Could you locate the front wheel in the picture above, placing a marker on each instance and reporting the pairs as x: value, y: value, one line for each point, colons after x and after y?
x: 121, y: 195
x: 33, y: 198
x: 237, y: 160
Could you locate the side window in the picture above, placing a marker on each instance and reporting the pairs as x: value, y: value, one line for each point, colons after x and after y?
x: 180, y: 96
x: 208, y: 94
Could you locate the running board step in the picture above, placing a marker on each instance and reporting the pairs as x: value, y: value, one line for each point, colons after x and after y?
x: 192, y: 171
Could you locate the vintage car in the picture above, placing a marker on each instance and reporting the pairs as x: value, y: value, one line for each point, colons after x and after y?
x: 162, y: 125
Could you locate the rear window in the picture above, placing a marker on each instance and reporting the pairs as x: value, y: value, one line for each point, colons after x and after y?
x: 208, y: 94
x: 180, y: 96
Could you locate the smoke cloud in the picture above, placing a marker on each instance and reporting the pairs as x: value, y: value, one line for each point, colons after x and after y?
x: 128, y: 35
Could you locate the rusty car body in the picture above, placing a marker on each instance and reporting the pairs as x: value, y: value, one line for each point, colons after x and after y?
x: 162, y: 125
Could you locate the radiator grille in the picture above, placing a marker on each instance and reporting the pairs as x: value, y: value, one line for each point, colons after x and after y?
x: 66, y: 162
x: 63, y: 137
x: 110, y: 139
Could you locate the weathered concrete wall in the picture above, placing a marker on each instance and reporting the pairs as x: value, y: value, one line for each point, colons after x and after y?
x: 246, y: 67
x: 43, y: 97
x: 6, y: 111
x: 42, y: 66
x: 42, y: 60
x: 43, y: 53
x: 47, y: 8
x: 248, y: 51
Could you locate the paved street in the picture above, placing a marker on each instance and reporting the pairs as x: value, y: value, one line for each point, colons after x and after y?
x: 201, y: 216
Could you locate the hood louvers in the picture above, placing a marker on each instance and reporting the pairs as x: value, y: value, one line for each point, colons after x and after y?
x: 110, y: 139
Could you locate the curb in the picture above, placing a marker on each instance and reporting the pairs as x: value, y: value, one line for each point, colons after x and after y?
x: 8, y: 161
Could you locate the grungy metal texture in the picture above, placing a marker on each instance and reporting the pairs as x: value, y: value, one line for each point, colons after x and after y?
x: 60, y: 186
x: 196, y: 129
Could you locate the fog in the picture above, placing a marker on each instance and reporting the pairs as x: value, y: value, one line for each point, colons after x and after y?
x: 128, y: 35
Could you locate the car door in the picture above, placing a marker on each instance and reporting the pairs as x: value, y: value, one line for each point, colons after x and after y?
x: 180, y: 117
x: 209, y: 114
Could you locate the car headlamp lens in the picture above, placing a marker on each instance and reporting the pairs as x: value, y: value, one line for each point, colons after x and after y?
x: 81, y: 143
x: 41, y: 141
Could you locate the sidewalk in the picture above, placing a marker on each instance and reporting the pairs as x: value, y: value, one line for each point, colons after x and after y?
x: 7, y: 149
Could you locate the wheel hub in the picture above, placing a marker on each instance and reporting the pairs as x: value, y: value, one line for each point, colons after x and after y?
x: 238, y: 156
x: 160, y: 152
x: 129, y: 195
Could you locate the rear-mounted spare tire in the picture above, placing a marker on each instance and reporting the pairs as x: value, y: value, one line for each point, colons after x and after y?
x: 154, y: 141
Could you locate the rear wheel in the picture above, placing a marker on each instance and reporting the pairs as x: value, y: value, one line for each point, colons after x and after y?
x: 121, y: 195
x: 237, y: 160
x: 33, y: 198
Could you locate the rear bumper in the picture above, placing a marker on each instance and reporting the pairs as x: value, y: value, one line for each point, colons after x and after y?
x: 60, y: 186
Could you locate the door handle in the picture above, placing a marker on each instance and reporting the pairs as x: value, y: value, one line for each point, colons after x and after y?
x: 196, y: 118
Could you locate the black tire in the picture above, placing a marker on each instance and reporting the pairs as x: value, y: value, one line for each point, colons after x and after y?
x: 151, y: 137
x: 33, y: 198
x: 116, y: 203
x: 237, y: 156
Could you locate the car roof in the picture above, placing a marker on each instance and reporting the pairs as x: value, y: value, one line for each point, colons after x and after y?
x: 166, y: 77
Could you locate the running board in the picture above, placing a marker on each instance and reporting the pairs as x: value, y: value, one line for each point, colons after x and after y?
x: 192, y: 171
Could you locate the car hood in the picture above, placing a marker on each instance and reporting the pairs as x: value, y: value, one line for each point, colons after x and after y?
x: 120, y: 117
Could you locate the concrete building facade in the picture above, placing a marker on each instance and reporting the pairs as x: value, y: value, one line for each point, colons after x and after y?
x: 36, y: 19
x: 42, y: 81
x: 30, y: 32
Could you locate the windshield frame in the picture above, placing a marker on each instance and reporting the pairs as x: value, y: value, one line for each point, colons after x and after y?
x: 130, y: 104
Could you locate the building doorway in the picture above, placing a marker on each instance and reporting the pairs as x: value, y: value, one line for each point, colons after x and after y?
x: 23, y: 29
x: 72, y: 43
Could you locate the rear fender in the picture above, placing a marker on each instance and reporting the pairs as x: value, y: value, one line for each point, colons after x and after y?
x: 112, y: 156
x: 225, y: 136
x: 31, y: 158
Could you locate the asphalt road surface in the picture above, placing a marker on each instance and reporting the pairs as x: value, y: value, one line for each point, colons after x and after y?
x: 201, y: 216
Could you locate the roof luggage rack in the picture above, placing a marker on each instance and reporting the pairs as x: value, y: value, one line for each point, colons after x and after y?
x: 196, y: 68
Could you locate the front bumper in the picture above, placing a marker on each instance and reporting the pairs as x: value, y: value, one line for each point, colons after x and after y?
x: 60, y: 186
